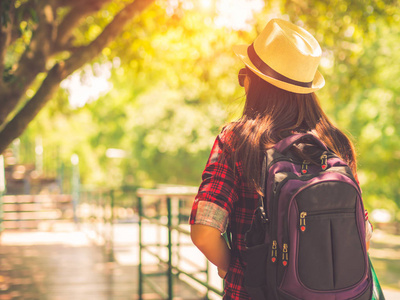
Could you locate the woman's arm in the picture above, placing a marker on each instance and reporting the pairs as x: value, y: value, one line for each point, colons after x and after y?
x: 212, y: 244
x: 368, y: 232
x: 368, y: 229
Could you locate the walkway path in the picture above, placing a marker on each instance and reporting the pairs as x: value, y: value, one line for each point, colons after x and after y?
x: 66, y: 265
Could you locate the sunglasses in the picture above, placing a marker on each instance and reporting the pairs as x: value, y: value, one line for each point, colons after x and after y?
x: 241, y: 76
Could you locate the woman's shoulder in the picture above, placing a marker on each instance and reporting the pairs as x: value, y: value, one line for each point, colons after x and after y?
x: 228, y: 131
x: 226, y: 137
x: 223, y: 145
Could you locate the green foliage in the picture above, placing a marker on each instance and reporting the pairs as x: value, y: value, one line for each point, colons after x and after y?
x: 376, y: 121
x: 167, y: 104
x: 174, y: 86
x: 360, y: 43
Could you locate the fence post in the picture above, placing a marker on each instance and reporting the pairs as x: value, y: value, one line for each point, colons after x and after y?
x: 111, y: 229
x: 75, y: 184
x: 170, y: 283
x: 2, y: 191
x: 140, y: 292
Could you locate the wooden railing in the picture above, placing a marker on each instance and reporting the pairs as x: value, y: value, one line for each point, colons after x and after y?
x: 34, y: 211
x: 100, y: 209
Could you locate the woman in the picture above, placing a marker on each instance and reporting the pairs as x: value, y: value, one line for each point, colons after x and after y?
x: 280, y: 78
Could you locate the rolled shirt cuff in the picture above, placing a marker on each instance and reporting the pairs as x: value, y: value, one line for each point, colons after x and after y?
x: 368, y: 231
x: 211, y: 214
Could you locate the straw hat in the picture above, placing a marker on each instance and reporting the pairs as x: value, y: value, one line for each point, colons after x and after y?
x: 286, y: 56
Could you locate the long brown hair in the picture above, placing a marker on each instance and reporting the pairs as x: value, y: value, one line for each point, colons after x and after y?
x: 271, y: 114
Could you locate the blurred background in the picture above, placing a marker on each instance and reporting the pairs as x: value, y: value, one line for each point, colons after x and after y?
x: 122, y: 93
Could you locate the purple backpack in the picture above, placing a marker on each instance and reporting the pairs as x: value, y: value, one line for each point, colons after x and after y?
x: 307, y: 238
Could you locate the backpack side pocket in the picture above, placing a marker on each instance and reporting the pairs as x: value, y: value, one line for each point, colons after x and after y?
x: 255, y: 280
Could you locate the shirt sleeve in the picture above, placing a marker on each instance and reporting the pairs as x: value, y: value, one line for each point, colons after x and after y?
x: 214, y: 201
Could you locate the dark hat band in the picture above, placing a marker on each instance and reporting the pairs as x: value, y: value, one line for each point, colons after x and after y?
x: 268, y: 71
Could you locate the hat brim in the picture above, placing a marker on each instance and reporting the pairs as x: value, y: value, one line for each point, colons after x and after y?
x: 318, y: 81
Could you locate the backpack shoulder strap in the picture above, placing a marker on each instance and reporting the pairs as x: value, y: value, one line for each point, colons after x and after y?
x: 263, y: 179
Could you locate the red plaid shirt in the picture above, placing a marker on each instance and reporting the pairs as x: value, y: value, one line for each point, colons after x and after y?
x: 224, y: 195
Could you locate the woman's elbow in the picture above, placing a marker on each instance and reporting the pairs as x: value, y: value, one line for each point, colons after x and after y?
x: 202, y: 234
x: 196, y: 235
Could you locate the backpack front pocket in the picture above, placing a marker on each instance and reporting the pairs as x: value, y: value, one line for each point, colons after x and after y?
x: 330, y: 253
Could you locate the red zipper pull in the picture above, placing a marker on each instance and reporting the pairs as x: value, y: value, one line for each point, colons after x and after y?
x: 304, y: 167
x: 285, y: 255
x: 274, y: 253
x: 324, y: 161
x: 303, y: 221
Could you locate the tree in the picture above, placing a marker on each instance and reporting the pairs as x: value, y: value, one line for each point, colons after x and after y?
x: 176, y: 82
x: 168, y: 101
x: 38, y: 47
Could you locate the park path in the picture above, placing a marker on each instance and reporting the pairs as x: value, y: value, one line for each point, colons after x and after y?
x: 65, y: 264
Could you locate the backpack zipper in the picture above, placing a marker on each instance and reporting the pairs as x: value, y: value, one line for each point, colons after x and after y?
x: 328, y: 156
x: 274, y: 208
x: 285, y: 231
x: 285, y: 255
x: 275, y: 197
x: 303, y: 221
x: 305, y: 214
